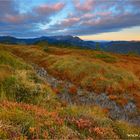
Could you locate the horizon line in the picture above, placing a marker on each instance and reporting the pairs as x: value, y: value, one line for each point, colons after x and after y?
x: 102, y: 40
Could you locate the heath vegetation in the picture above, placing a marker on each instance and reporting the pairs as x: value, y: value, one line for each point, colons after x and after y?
x: 31, y: 109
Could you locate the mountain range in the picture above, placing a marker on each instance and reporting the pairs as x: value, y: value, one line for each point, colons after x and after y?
x: 74, y: 41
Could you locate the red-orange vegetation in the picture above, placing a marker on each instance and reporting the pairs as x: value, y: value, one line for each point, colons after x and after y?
x: 113, y: 97
x: 81, y: 123
x: 73, y: 90
x: 122, y: 101
x: 32, y: 129
x: 63, y: 103
x: 102, y: 71
x: 45, y: 134
x: 59, y: 121
x: 109, y: 90
x: 56, y: 90
x: 132, y: 87
x: 106, y: 110
x: 97, y: 130
x: 137, y: 99
x: 26, y: 107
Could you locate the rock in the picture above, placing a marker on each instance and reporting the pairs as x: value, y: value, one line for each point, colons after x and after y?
x: 128, y: 112
x: 130, y: 107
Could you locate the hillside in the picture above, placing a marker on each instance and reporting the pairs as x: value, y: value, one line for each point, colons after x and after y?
x: 123, y: 47
x: 47, y: 92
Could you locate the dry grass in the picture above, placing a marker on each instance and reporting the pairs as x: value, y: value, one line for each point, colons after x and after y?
x: 92, y: 70
x: 126, y: 131
x: 29, y: 108
x: 5, y: 71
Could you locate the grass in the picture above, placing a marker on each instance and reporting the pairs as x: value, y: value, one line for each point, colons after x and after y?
x: 106, y: 57
x: 92, y: 70
x: 84, y: 68
x: 92, y: 75
x: 30, y: 109
x: 126, y: 131
x: 88, y: 69
x: 5, y: 71
x: 8, y: 59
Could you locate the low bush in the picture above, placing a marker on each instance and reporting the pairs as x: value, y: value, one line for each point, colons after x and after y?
x: 16, y: 89
x: 106, y: 57
x: 72, y: 90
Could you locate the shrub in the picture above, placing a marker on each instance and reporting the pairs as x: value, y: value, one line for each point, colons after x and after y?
x: 113, y: 97
x: 14, y: 89
x: 17, y: 118
x: 133, y: 53
x: 106, y: 57
x: 72, y: 90
x: 43, y: 45
x: 9, y: 86
x: 122, y: 101
x: 56, y: 90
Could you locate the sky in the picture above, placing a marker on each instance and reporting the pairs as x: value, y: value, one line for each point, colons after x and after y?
x: 88, y: 19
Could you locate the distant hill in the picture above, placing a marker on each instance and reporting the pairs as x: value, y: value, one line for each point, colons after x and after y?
x: 123, y: 47
x: 73, y: 41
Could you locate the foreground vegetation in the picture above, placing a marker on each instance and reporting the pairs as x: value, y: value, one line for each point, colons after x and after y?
x: 30, y: 108
x: 117, y: 75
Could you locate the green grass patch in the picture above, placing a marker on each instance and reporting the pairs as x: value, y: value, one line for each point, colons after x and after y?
x: 8, y: 59
x: 106, y: 57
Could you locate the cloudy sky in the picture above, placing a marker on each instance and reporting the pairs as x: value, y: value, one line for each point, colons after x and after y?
x: 88, y: 19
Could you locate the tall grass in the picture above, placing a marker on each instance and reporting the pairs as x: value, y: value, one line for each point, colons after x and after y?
x: 8, y: 59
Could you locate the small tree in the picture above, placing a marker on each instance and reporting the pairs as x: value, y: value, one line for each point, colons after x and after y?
x: 97, y: 46
x: 43, y: 45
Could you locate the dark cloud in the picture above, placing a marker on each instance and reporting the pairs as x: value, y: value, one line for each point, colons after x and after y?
x: 109, y: 24
x: 7, y: 7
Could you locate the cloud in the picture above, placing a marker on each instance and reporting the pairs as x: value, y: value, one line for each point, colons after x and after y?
x: 108, y: 24
x: 86, y: 6
x: 7, y: 7
x: 69, y: 21
x: 12, y: 21
x: 74, y: 17
x: 37, y: 14
x: 93, y: 17
x: 48, y: 9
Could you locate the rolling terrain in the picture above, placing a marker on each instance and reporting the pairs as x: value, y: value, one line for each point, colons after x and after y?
x: 47, y: 92
x: 122, y: 47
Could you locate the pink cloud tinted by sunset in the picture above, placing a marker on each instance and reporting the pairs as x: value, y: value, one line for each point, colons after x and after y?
x: 47, y: 9
x: 85, y: 6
